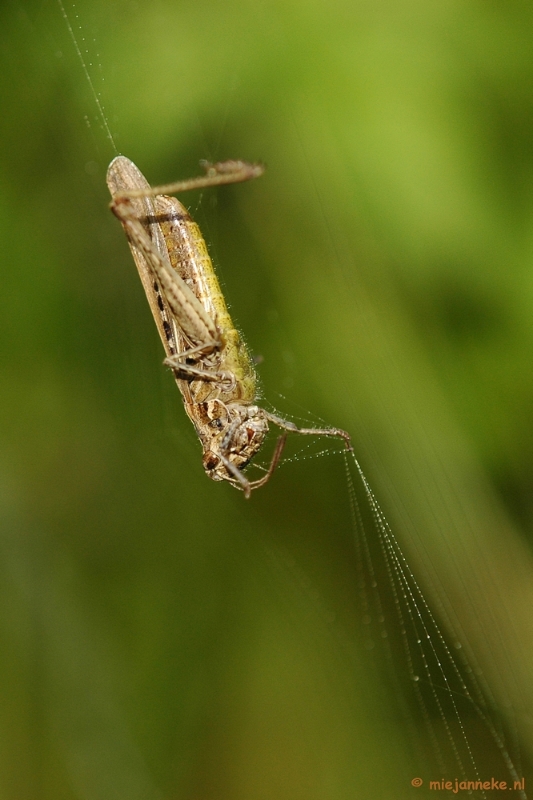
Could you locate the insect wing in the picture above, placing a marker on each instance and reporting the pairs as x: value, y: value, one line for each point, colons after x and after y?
x: 123, y: 176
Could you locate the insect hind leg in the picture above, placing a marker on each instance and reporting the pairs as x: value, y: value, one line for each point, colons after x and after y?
x: 178, y: 363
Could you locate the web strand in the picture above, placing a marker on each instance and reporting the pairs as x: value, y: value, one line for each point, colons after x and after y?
x: 94, y: 93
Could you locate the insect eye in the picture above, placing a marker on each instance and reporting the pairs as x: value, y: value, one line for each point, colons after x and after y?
x: 216, y: 423
x: 210, y: 461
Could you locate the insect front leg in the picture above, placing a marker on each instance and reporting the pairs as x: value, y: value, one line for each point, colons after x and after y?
x: 291, y: 427
x: 241, y: 481
x: 274, y: 461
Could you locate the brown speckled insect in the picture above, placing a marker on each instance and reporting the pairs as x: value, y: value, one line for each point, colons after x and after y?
x: 211, y: 363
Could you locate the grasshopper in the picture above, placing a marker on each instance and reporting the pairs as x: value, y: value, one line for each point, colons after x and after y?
x: 211, y: 364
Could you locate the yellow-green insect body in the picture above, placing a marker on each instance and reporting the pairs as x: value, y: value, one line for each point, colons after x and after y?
x: 211, y: 363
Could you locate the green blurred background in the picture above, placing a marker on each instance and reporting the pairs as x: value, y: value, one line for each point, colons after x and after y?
x: 161, y: 637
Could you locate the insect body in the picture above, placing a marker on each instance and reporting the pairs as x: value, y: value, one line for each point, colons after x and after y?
x: 211, y: 364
